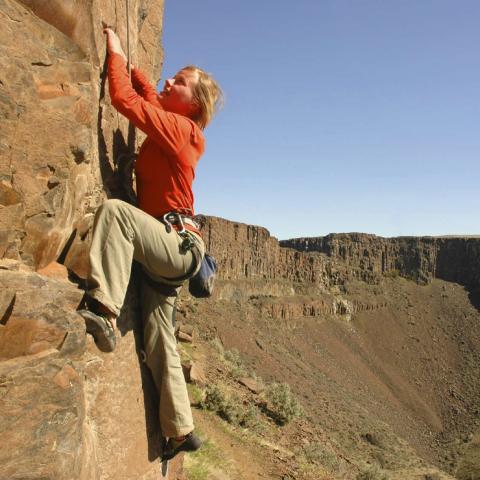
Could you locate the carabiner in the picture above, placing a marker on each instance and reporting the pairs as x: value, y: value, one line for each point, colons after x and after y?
x: 180, y: 221
x: 166, y: 222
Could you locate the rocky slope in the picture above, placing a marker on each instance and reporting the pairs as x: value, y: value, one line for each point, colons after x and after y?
x: 384, y: 359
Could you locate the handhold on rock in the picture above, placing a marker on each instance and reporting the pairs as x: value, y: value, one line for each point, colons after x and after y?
x: 54, y: 270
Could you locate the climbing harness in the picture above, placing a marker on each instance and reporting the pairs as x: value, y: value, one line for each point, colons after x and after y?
x: 169, y: 286
x: 175, y: 218
x: 201, y: 278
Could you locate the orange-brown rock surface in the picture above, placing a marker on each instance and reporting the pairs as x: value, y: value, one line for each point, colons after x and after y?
x: 67, y: 410
x: 61, y: 141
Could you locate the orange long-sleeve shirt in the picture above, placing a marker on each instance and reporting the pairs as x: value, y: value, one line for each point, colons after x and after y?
x: 165, y: 168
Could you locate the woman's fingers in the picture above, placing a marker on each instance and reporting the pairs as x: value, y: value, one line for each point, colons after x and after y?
x: 113, y: 42
x: 111, y: 34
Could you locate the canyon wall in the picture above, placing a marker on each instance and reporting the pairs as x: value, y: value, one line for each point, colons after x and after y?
x: 249, y: 252
x: 455, y: 259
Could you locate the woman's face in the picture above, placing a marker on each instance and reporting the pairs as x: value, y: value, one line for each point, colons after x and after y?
x: 177, y: 94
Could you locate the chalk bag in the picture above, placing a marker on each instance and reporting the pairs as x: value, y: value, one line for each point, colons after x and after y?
x: 201, y: 285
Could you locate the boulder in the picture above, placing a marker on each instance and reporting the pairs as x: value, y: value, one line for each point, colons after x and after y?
x: 251, y: 384
x: 185, y: 333
x: 194, y: 373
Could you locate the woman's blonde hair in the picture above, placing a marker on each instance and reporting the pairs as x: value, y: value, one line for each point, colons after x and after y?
x: 208, y: 94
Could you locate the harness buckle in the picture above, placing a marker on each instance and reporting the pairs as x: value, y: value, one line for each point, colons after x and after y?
x: 171, y: 218
x: 174, y: 217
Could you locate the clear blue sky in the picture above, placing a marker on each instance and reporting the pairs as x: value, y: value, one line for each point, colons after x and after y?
x: 340, y: 116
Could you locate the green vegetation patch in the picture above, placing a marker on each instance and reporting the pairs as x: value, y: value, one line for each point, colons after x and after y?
x: 230, y: 407
x: 200, y: 464
x: 282, y: 404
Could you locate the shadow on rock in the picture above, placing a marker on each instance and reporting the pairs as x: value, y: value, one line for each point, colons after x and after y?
x: 106, y: 170
x: 130, y: 320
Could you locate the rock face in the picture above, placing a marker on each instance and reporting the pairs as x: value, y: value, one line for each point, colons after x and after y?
x: 42, y: 384
x: 68, y: 411
x: 61, y: 141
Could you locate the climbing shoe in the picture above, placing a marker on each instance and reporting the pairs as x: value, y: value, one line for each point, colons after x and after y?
x: 189, y: 444
x: 101, y: 328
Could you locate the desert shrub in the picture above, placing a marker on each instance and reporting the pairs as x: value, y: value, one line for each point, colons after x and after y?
x: 282, y: 404
x: 228, y: 407
x: 235, y: 363
x: 231, y: 358
x: 372, y: 472
x: 217, y: 346
x: 214, y: 398
x: 317, y: 453
x: 196, y: 394
x: 250, y: 418
x: 232, y: 412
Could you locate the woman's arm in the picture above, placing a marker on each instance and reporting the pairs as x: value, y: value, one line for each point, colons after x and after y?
x: 143, y: 87
x: 139, y: 80
x: 169, y: 130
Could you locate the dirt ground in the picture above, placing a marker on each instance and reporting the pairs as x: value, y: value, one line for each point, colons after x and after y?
x: 389, y: 383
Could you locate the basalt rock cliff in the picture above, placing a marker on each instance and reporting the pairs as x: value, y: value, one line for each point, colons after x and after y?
x: 249, y: 252
x: 454, y: 259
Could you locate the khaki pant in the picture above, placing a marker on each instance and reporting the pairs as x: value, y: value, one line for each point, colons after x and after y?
x: 123, y: 233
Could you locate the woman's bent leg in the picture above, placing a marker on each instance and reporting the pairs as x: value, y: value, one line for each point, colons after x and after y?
x: 111, y: 254
x: 164, y: 362
x: 122, y: 233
